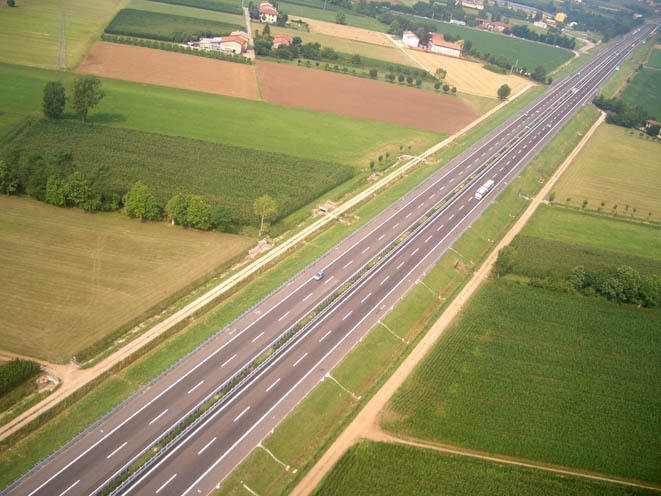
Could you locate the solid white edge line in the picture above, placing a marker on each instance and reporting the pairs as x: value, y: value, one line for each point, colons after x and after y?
x: 159, y: 416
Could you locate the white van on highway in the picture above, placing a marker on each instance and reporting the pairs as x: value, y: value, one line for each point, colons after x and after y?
x: 484, y: 189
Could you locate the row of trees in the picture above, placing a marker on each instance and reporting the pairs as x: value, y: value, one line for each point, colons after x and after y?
x: 620, y: 113
x: 86, y: 93
x: 550, y: 37
x: 623, y: 285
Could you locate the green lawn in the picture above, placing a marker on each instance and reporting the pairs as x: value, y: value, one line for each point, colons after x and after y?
x: 218, y: 119
x: 655, y: 59
x: 616, y: 167
x: 222, y: 174
x: 328, y: 15
x: 544, y: 376
x: 29, y: 33
x: 595, y: 231
x: 229, y: 6
x: 374, y: 469
x: 529, y: 54
x: 180, y: 10
x: 645, y: 90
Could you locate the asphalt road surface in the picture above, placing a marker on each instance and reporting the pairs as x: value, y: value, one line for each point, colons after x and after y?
x: 207, y: 451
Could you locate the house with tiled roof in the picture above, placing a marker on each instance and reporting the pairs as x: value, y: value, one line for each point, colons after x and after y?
x: 233, y: 44
x: 437, y: 44
x: 281, y: 39
x: 267, y: 13
x: 410, y: 39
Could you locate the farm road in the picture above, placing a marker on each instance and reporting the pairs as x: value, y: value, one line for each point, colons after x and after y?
x: 366, y: 423
x: 73, y: 377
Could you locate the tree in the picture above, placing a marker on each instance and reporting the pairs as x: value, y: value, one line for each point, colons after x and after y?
x: 53, y: 100
x: 654, y: 130
x: 11, y: 3
x: 340, y: 18
x: 505, y: 261
x: 437, y: 85
x: 86, y: 93
x: 265, y: 207
x: 395, y: 28
x: 222, y: 218
x: 8, y: 179
x: 176, y: 208
x: 140, y: 203
x: 198, y: 214
x: 373, y: 73
x: 267, y: 30
x: 504, y: 91
x: 468, y: 45
x: 454, y: 90
x: 446, y: 88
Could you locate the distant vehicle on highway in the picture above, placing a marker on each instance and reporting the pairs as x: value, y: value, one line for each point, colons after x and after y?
x: 484, y: 189
x: 319, y: 275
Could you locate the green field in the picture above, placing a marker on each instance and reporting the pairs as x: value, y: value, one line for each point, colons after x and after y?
x: 180, y: 10
x: 29, y: 33
x: 655, y: 59
x: 229, y: 6
x: 645, y: 90
x: 374, y: 469
x: 69, y: 278
x: 540, y: 257
x: 296, y: 10
x: 528, y: 54
x: 218, y: 119
x: 165, y: 27
x: 617, y: 167
x: 576, y: 386
x: 222, y: 174
x: 593, y: 231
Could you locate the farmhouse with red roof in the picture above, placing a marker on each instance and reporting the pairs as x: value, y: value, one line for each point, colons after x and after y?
x: 281, y: 39
x: 267, y: 12
x: 437, y: 44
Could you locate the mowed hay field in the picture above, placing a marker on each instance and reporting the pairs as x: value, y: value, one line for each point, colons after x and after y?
x: 69, y: 278
x: 469, y: 76
x: 364, y: 98
x: 348, y: 32
x: 178, y: 70
x: 383, y: 469
x: 645, y: 90
x: 29, y: 32
x: 616, y: 167
x: 545, y: 376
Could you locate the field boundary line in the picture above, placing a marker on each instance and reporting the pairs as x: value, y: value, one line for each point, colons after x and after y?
x: 368, y: 417
x: 81, y: 377
x: 381, y: 436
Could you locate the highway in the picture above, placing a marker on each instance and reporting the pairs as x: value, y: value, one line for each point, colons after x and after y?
x: 435, y: 214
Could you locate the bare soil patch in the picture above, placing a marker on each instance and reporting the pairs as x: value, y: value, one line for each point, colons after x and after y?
x: 349, y: 95
x: 349, y: 32
x: 178, y: 70
x: 468, y: 76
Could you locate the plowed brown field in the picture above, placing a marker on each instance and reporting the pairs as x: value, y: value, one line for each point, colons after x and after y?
x: 349, y: 95
x: 178, y: 70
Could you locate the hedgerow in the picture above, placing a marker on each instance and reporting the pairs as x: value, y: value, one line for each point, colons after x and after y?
x: 16, y: 372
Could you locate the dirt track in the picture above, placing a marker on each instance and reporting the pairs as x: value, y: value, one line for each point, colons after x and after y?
x: 365, y: 424
x: 178, y: 70
x: 357, y: 97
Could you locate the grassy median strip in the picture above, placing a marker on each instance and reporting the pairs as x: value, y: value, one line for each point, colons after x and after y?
x: 23, y: 450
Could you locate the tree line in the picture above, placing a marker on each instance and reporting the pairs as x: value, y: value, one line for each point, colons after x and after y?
x: 16, y: 372
x: 620, y: 113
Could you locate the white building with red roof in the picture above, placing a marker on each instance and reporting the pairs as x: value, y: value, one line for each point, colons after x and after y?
x: 437, y: 44
x: 233, y: 44
x: 267, y: 12
x: 410, y: 39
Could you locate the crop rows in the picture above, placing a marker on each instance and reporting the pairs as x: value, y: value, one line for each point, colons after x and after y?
x: 217, y: 5
x: 537, y: 257
x: 165, y: 27
x: 644, y: 91
x: 222, y: 174
x: 577, y: 385
x: 375, y: 469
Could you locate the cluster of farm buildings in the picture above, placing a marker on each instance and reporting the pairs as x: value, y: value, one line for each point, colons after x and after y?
x: 236, y: 43
x: 437, y: 44
x: 546, y: 20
